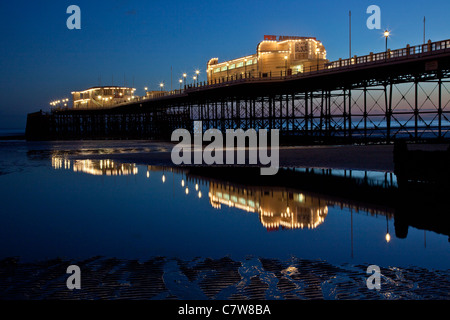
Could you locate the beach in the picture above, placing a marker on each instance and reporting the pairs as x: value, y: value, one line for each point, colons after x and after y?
x: 140, y: 230
x: 344, y: 157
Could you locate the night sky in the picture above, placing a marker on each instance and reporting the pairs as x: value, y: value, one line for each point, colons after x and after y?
x: 136, y: 43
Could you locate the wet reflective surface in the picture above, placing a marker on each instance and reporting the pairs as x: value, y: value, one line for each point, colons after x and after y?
x: 59, y: 203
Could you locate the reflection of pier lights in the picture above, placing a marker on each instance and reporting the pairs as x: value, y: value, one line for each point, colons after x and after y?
x: 276, y: 208
x: 221, y: 193
x: 388, y: 236
x: 186, y: 188
x: 60, y: 163
x: 95, y: 167
x: 310, y: 219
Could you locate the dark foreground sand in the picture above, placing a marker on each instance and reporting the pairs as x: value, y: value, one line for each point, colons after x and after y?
x: 162, y: 278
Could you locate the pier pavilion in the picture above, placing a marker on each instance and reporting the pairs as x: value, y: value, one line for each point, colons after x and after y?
x: 275, y: 56
x: 102, y: 97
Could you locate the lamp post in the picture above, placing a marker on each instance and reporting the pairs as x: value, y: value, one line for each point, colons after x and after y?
x: 317, y: 55
x: 386, y: 35
x: 195, y: 78
x: 198, y: 75
x: 161, y: 85
x: 181, y: 81
x: 184, y: 76
x: 285, y: 65
x: 245, y: 67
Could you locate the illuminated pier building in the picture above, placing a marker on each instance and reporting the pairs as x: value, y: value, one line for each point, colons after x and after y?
x: 275, y: 56
x: 155, y: 94
x: 102, y: 97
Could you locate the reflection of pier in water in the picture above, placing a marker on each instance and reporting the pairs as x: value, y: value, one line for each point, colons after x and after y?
x: 276, y: 199
x: 276, y: 207
x: 298, y: 198
x: 370, y: 193
x: 102, y: 167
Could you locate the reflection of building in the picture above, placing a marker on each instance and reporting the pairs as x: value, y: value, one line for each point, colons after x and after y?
x: 95, y: 167
x: 287, y: 55
x: 101, y: 97
x: 276, y: 207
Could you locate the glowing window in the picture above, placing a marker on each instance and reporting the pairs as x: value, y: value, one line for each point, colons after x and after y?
x: 300, y: 197
x: 298, y: 69
x: 240, y: 64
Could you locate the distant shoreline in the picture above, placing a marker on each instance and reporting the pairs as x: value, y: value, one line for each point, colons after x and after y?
x: 13, y: 137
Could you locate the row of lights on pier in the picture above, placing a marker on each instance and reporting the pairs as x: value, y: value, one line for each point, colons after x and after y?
x: 195, y: 79
x: 59, y: 103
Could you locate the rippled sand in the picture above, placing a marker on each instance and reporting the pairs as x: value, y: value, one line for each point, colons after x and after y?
x: 162, y: 278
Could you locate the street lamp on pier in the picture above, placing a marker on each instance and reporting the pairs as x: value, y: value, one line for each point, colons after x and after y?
x: 245, y: 68
x: 386, y: 35
x: 317, y: 55
x: 285, y: 65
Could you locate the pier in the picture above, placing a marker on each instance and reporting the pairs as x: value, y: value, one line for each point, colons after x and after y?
x: 398, y: 94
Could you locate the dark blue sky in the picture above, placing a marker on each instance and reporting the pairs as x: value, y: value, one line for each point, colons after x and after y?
x: 139, y: 41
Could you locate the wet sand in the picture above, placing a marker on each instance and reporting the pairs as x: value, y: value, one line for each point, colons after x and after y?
x: 350, y: 157
x: 162, y: 278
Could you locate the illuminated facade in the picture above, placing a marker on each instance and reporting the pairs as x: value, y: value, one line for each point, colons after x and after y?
x: 155, y: 94
x: 102, y: 97
x: 274, y: 57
